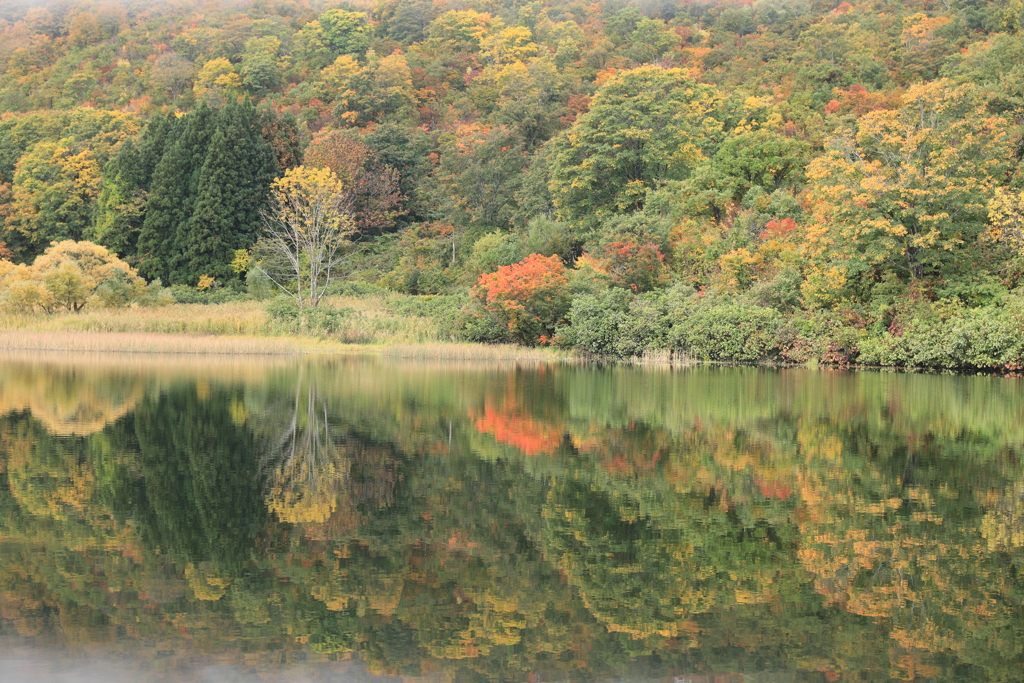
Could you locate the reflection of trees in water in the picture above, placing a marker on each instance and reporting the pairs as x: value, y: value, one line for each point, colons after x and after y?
x: 69, y: 400
x: 194, y: 489
x: 305, y: 467
x: 319, y: 472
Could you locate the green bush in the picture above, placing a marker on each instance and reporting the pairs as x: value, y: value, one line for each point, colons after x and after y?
x: 819, y: 336
x: 317, y: 322
x: 728, y: 332
x: 435, y: 306
x: 258, y: 284
x: 476, y: 324
x: 615, y: 323
x: 351, y: 288
x: 594, y: 321
x: 988, y: 337
x: 184, y: 294
x: 645, y: 327
x: 116, y: 292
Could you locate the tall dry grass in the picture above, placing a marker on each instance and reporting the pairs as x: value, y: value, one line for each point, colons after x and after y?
x: 244, y: 327
x: 370, y: 322
x: 76, y: 342
x: 243, y: 318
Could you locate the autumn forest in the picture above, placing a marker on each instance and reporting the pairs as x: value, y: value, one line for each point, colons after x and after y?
x: 804, y: 181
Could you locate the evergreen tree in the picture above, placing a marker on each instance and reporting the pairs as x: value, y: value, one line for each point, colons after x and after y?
x: 121, y: 208
x: 172, y: 193
x: 231, y: 188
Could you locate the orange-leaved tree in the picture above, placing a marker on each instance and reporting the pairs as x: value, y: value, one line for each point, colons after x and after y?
x: 639, y: 267
x: 530, y: 297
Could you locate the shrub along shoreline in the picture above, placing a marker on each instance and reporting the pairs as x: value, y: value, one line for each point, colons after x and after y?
x: 77, y: 296
x: 671, y: 327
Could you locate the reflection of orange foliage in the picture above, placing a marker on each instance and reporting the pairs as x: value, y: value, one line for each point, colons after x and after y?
x: 623, y: 451
x: 509, y: 426
x: 774, y: 489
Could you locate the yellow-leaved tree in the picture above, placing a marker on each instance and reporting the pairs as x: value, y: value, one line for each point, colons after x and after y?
x: 307, y: 233
x: 908, y: 189
x: 1006, y: 218
x: 69, y: 275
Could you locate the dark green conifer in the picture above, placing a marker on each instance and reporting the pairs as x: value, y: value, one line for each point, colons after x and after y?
x: 121, y: 208
x: 172, y: 194
x: 231, y: 188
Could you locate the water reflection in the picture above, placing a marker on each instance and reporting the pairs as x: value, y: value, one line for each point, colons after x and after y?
x: 481, y: 522
x: 307, y: 469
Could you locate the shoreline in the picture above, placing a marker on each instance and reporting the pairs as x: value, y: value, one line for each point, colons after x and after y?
x: 199, y: 345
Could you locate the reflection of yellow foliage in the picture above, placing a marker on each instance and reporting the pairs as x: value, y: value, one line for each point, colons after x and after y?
x: 313, y: 506
x: 300, y: 496
x: 204, y: 582
x: 59, y: 493
x: 68, y: 401
x: 239, y: 413
x: 1003, y: 523
x: 382, y: 595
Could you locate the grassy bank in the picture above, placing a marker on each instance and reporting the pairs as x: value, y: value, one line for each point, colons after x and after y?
x: 388, y: 325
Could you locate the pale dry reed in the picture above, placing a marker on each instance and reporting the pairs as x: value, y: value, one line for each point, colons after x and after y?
x: 243, y: 327
x: 471, y: 352
x: 150, y: 342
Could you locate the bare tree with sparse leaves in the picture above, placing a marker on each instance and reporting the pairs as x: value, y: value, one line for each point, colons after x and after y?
x: 307, y: 233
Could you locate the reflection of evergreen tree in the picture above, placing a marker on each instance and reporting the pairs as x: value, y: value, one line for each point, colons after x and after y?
x: 198, y: 495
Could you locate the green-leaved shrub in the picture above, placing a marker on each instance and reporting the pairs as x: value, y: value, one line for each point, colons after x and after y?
x: 988, y: 337
x: 286, y: 315
x: 728, y: 332
x: 616, y: 323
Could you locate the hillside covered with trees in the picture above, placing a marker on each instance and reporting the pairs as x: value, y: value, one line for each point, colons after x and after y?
x: 794, y: 180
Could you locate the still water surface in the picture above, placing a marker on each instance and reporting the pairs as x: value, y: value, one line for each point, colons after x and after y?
x: 351, y: 519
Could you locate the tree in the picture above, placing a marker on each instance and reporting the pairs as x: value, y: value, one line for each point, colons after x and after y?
x: 169, y: 75
x: 345, y: 32
x: 67, y: 275
x: 54, y: 188
x: 644, y: 127
x: 205, y: 192
x: 121, y: 205
x: 909, y: 188
x: 638, y: 267
x: 306, y: 233
x: 260, y: 70
x: 531, y: 298
x: 217, y: 82
x: 231, y: 187
x: 1006, y: 215
x: 172, y: 192
x: 371, y: 189
x: 746, y: 159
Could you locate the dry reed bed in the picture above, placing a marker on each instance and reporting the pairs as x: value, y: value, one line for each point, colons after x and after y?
x: 234, y: 318
x: 243, y: 328
x: 150, y: 342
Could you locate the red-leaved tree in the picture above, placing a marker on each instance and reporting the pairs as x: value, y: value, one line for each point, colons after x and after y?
x: 530, y: 297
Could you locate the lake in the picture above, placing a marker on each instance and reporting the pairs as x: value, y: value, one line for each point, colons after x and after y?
x: 361, y: 519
